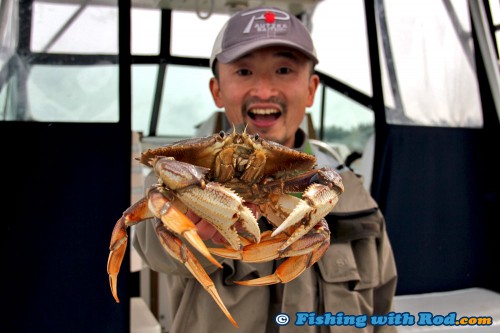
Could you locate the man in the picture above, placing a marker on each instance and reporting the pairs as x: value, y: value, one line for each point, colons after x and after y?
x: 263, y: 62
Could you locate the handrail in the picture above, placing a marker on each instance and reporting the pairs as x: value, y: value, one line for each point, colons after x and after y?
x: 325, y: 147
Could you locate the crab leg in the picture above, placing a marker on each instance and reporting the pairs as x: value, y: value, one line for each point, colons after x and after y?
x: 302, y: 254
x: 177, y: 222
x: 181, y: 252
x: 289, y: 269
x: 143, y: 209
x: 118, y: 245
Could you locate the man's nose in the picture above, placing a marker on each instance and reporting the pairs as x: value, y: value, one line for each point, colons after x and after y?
x: 264, y: 88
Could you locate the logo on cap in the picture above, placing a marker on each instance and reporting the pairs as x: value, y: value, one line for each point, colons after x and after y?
x: 267, y: 20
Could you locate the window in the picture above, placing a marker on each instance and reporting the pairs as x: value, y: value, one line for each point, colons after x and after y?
x: 60, y: 66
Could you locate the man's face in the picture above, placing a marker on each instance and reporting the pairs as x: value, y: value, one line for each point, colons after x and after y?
x: 268, y: 90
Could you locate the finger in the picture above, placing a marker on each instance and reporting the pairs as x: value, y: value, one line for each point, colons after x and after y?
x: 193, y: 217
x: 205, y: 230
x: 254, y: 208
x: 217, y: 238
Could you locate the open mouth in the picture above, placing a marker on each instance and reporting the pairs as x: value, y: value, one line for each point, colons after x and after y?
x: 264, y: 114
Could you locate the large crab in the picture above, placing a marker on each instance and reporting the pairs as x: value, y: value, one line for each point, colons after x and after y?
x: 216, y: 177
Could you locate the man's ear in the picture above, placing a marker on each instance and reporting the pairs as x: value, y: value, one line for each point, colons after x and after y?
x: 313, y: 86
x: 215, y: 90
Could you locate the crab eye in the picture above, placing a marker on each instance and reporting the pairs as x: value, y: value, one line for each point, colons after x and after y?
x: 222, y: 134
x: 256, y: 137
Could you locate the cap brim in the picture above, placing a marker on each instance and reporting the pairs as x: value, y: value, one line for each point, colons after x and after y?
x: 239, y: 51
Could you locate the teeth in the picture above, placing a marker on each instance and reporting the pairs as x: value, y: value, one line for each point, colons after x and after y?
x: 264, y: 111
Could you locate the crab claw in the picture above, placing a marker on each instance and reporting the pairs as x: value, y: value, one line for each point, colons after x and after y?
x: 224, y: 210
x: 218, y: 205
x: 118, y: 245
x: 317, y: 201
x: 302, y: 254
x: 181, y: 252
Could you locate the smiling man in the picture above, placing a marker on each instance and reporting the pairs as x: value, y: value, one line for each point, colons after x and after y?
x: 264, y: 73
x: 263, y: 63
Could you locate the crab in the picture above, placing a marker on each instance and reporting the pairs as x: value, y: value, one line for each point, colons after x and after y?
x: 217, y: 177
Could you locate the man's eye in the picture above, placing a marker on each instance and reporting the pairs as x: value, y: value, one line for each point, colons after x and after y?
x: 243, y: 72
x: 284, y: 70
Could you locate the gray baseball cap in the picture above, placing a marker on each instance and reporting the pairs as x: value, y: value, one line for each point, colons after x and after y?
x: 258, y: 27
